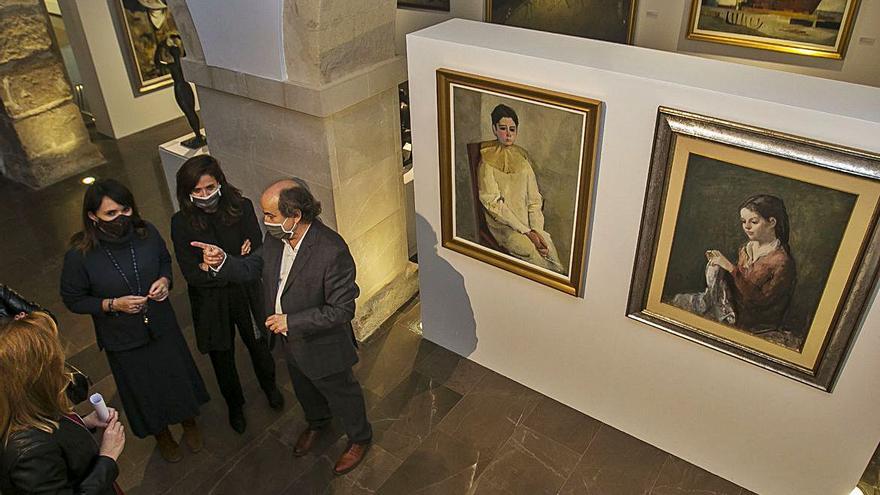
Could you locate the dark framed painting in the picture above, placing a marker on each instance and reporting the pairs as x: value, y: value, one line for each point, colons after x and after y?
x: 818, y: 28
x: 439, y: 5
x: 608, y: 20
x: 517, y: 165
x: 146, y: 28
x: 759, y: 244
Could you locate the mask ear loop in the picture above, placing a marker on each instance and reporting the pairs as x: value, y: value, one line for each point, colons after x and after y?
x: 292, y: 230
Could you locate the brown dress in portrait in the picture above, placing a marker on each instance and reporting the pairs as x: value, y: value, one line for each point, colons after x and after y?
x: 762, y: 289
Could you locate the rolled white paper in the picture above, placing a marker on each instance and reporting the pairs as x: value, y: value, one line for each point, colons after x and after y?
x: 100, y: 407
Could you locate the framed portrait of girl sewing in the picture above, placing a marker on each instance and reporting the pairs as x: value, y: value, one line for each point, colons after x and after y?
x: 516, y: 176
x: 756, y: 243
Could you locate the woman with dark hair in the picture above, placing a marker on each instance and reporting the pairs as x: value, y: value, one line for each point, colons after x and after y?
x: 118, y: 270
x: 214, y: 211
x: 754, y: 294
x: 47, y: 447
x: 764, y: 275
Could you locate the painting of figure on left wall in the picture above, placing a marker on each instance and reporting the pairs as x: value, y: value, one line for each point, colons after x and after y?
x: 146, y: 25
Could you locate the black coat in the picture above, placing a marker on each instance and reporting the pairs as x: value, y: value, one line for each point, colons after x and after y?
x: 318, y: 298
x: 213, y: 301
x: 63, y: 462
x: 88, y: 278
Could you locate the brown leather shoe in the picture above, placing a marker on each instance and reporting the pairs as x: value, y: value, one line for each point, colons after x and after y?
x: 169, y: 449
x: 351, y: 458
x: 192, y: 437
x: 306, y: 441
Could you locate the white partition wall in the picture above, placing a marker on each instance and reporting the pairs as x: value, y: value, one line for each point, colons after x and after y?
x: 756, y: 428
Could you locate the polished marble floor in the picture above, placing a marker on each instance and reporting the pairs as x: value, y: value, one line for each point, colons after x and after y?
x: 443, y: 424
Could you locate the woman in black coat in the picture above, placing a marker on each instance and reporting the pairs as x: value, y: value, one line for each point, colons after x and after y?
x: 214, y: 211
x: 47, y: 448
x: 118, y: 270
x: 14, y: 306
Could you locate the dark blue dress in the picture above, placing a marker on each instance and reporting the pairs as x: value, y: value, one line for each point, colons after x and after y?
x: 155, y: 375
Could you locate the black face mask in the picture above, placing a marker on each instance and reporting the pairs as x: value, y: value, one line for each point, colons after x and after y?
x: 116, y: 228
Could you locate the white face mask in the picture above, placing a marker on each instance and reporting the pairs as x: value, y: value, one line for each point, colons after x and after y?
x: 209, y: 202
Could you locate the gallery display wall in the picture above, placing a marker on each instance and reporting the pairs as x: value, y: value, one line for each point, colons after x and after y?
x: 662, y: 24
x: 751, y: 425
x: 97, y: 40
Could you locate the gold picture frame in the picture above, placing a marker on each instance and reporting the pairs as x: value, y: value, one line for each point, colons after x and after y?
x: 798, y: 216
x: 140, y: 39
x: 546, y: 190
x: 604, y: 31
x: 799, y: 28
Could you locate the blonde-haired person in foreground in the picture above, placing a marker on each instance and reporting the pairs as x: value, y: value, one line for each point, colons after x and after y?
x: 48, y: 448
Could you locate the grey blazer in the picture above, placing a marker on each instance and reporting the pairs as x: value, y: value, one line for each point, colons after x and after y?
x: 318, y: 297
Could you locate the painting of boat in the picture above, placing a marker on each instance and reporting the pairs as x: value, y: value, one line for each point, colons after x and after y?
x: 797, y: 6
x: 818, y: 28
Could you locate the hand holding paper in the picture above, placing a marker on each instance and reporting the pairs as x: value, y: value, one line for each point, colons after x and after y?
x: 101, y: 409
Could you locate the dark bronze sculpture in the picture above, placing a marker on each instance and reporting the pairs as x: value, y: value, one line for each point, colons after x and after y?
x: 183, y: 93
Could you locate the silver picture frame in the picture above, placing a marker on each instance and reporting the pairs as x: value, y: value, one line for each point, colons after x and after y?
x: 803, y: 154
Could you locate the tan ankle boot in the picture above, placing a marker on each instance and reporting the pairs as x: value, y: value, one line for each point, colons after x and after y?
x: 168, y: 447
x: 191, y: 435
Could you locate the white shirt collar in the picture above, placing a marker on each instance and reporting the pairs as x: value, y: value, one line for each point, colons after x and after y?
x: 755, y: 251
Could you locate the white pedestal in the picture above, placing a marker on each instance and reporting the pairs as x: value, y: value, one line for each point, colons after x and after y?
x: 173, y: 154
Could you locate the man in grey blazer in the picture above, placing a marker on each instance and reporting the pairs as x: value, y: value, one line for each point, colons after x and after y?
x: 309, y: 288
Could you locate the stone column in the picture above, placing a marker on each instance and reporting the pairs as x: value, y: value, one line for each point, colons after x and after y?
x: 42, y: 136
x: 334, y: 122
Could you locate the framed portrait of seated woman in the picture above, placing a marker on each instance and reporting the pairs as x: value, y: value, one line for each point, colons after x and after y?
x: 756, y: 243
x: 516, y: 176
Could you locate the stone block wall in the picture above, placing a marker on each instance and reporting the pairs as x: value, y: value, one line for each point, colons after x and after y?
x: 327, y: 40
x: 352, y: 165
x: 42, y: 136
x: 335, y: 123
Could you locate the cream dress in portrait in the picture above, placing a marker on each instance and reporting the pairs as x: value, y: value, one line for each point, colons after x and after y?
x: 509, y: 192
